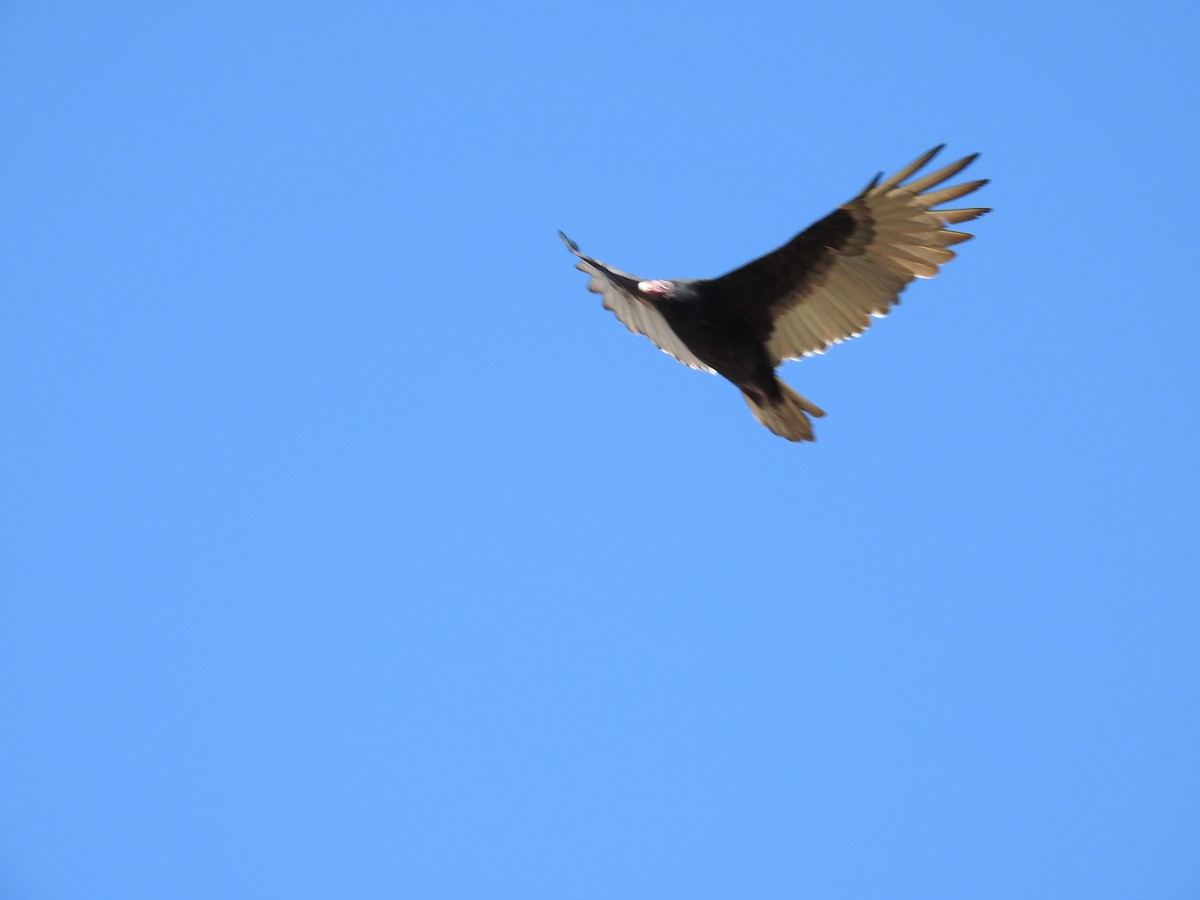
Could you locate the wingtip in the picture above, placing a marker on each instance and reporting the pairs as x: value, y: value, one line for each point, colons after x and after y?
x: 871, y: 186
x: 910, y: 170
x: 571, y: 245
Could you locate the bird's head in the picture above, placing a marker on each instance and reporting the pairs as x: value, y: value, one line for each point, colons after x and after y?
x: 662, y: 289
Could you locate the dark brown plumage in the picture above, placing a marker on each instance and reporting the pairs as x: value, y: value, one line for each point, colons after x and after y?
x: 820, y: 288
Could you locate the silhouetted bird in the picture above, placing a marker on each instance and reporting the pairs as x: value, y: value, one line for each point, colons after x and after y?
x: 819, y: 288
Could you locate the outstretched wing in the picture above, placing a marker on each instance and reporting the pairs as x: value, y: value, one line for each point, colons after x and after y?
x: 823, y: 286
x: 621, y: 295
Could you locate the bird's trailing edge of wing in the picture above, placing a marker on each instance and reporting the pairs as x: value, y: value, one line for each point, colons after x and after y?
x: 620, y: 294
x: 897, y: 236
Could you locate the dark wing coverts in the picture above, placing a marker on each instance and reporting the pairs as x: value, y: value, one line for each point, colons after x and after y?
x: 823, y: 286
x: 620, y: 293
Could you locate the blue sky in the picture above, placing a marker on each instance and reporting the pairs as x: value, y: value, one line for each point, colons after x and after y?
x: 352, y: 550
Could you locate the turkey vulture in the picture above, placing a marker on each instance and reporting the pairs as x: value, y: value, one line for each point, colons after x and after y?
x: 819, y: 288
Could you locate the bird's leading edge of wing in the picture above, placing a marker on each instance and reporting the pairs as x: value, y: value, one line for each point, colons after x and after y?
x: 824, y: 285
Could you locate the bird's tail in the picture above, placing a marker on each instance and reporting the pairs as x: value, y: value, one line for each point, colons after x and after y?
x: 786, y: 416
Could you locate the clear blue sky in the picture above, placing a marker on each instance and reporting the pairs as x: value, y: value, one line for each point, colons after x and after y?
x: 350, y: 549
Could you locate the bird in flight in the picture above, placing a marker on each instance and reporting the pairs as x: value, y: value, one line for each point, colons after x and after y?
x: 819, y: 288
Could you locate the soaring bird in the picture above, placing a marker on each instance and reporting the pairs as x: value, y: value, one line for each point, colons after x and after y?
x: 819, y: 288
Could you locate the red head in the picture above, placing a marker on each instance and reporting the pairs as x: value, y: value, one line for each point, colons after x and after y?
x: 657, y: 288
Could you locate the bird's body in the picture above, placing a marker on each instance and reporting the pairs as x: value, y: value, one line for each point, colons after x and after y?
x: 816, y: 290
x: 725, y: 337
